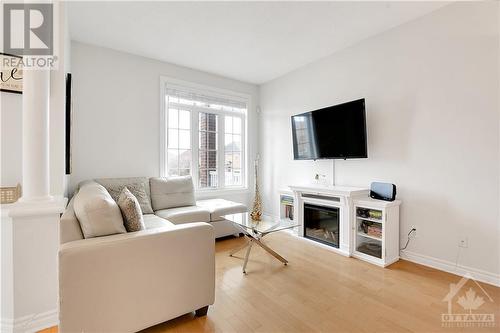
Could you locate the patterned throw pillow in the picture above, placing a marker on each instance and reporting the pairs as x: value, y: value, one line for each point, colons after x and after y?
x: 138, y: 186
x: 131, y: 211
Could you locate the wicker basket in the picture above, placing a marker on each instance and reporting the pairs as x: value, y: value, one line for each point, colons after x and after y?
x: 10, y: 194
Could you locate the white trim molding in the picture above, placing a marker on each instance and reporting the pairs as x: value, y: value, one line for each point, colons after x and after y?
x: 166, y: 82
x: 450, y: 267
x: 29, y: 245
x: 31, y: 323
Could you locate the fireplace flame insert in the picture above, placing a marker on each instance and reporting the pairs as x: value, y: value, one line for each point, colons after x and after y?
x: 322, y: 224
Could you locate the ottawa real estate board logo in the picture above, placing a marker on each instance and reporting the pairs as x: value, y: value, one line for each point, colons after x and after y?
x: 470, y: 296
x: 28, y: 32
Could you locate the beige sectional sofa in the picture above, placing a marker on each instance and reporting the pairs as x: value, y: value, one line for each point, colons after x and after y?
x: 130, y: 281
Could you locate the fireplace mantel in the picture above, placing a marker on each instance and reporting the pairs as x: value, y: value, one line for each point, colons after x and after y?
x: 329, y: 196
x: 346, y: 191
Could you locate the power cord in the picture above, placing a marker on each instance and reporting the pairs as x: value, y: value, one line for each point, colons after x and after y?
x: 457, y: 258
x: 408, y: 240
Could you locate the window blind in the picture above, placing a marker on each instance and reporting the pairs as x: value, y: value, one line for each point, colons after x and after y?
x: 187, y: 97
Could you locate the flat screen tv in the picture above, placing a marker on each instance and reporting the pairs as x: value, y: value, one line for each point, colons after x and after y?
x: 335, y: 132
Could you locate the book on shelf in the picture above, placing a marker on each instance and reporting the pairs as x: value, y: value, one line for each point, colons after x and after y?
x: 286, y: 200
x: 374, y: 231
x: 369, y: 213
x: 289, y: 212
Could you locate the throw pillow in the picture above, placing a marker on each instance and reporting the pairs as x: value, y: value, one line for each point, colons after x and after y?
x: 172, y: 192
x: 138, y: 186
x: 97, y: 212
x: 131, y: 211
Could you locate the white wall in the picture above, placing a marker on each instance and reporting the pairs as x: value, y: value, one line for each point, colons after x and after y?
x: 433, y: 128
x: 116, y: 112
x: 11, y: 119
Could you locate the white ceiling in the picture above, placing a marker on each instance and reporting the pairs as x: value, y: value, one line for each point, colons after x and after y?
x: 249, y: 41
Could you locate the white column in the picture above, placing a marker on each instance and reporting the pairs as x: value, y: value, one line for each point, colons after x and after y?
x: 36, y: 93
x: 30, y: 229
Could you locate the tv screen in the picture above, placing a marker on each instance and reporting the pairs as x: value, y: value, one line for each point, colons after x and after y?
x: 335, y: 132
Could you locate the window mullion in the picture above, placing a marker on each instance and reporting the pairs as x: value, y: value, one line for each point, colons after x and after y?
x: 178, y: 144
x: 164, y: 135
x: 221, y: 152
x: 195, y: 127
x: 243, y: 153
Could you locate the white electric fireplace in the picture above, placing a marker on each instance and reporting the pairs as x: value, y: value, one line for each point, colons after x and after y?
x: 322, y: 224
x: 324, y: 214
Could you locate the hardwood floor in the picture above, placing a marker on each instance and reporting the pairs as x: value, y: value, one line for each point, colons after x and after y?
x: 320, y: 291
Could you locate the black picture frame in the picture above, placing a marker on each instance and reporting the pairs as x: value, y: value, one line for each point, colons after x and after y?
x: 68, y: 120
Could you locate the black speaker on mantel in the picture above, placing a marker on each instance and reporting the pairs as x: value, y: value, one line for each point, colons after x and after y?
x: 383, y: 191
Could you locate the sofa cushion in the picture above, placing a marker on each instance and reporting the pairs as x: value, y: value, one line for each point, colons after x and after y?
x: 172, y: 192
x: 186, y: 214
x: 139, y: 186
x: 151, y: 221
x: 220, y: 207
x: 131, y: 211
x: 97, y: 212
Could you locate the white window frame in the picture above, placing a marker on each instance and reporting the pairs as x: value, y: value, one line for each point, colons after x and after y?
x: 167, y: 82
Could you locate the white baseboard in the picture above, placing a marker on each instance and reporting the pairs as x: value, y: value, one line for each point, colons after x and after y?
x: 30, y: 323
x: 450, y: 267
x: 442, y: 265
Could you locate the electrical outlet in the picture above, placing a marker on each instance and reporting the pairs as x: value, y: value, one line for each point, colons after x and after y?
x: 463, y: 242
x: 414, y: 233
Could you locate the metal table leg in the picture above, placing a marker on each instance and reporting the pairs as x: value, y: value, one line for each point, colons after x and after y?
x: 246, y: 256
x: 251, y: 239
x: 271, y: 251
x: 239, y: 248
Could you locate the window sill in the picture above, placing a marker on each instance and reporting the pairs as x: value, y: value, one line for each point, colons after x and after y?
x: 219, y: 192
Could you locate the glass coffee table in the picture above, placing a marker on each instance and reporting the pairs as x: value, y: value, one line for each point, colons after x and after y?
x: 255, y: 230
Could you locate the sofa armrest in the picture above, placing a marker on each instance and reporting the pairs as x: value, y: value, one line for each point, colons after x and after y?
x: 131, y: 281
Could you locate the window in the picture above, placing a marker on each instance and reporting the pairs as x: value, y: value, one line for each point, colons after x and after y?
x: 207, y: 168
x: 204, y: 135
x: 179, y: 142
x: 232, y: 149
